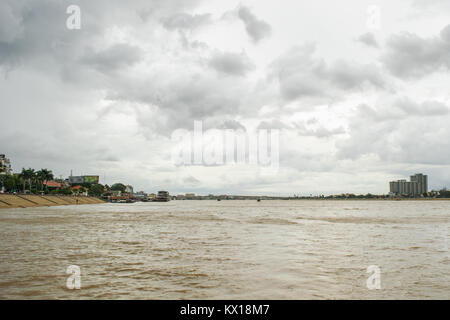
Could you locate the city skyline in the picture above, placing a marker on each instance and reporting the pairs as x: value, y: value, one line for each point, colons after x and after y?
x: 354, y: 101
x: 416, y: 187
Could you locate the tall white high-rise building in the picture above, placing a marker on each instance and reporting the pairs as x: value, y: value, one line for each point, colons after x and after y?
x: 422, y: 181
x: 417, y: 185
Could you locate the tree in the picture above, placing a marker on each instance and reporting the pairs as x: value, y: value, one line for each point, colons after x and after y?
x: 444, y: 193
x: 5, y: 182
x: 65, y: 191
x: 43, y: 176
x: 12, y: 183
x: 118, y: 187
x: 96, y: 190
x: 27, y: 175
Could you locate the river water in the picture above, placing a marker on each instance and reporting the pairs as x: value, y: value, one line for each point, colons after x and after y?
x: 228, y: 250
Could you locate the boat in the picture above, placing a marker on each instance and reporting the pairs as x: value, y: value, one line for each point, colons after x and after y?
x: 162, y: 196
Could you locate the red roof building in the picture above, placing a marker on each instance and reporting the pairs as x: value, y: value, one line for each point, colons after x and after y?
x: 77, y: 188
x: 52, y: 184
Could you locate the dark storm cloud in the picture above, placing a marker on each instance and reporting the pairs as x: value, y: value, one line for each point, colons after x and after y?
x: 35, y: 30
x: 368, y: 39
x: 411, y: 56
x: 149, y: 83
x: 301, y: 75
x: 257, y: 29
x: 29, y: 30
x: 175, y: 100
x: 235, y: 64
x: 40, y: 54
x: 10, y: 23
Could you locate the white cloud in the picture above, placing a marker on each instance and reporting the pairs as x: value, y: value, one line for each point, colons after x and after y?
x: 104, y: 99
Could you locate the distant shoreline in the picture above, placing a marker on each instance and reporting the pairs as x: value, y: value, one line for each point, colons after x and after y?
x: 321, y: 199
x: 8, y: 201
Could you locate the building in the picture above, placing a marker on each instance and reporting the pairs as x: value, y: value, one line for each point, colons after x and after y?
x: 5, y: 165
x: 418, y: 185
x: 129, y: 189
x: 74, y: 180
x: 422, y: 182
x: 52, y: 185
x: 79, y: 190
x: 140, y: 195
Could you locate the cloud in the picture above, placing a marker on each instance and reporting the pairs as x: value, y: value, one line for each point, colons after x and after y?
x: 401, y: 109
x: 410, y: 56
x: 175, y: 100
x: 301, y: 75
x: 113, y: 58
x: 318, y: 131
x: 368, y: 39
x: 257, y: 29
x: 235, y: 64
x: 105, y: 98
x: 424, y: 109
x: 273, y: 124
x: 230, y: 124
x: 10, y: 23
x: 186, y: 21
x: 402, y: 131
x: 191, y: 181
x: 435, y: 4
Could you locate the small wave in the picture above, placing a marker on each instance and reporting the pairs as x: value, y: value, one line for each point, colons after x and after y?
x: 273, y: 221
x: 30, y: 293
x: 370, y: 220
x: 130, y: 242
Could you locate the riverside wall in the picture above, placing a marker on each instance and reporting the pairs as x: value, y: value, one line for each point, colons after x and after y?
x: 28, y: 200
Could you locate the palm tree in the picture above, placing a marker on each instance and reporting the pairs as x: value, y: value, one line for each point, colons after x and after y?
x: 22, y: 176
x: 44, y: 175
x: 27, y: 174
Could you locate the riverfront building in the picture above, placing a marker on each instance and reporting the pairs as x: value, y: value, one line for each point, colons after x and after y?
x: 74, y: 180
x: 5, y: 165
x: 417, y: 185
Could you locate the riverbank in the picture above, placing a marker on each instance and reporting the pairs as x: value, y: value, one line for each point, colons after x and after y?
x: 26, y: 201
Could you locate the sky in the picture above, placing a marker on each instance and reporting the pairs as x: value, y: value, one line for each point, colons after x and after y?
x: 357, y: 91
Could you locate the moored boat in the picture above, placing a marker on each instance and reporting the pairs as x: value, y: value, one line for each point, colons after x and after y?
x: 162, y: 196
